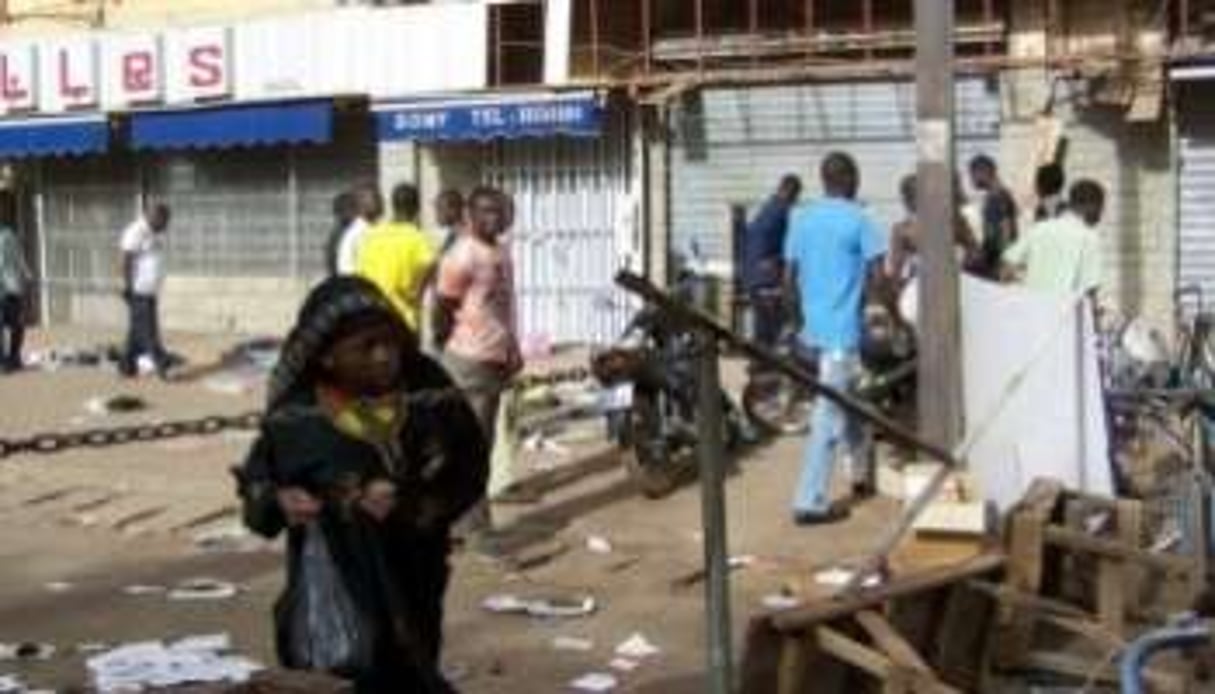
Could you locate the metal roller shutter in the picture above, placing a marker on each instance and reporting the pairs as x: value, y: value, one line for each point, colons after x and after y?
x: 575, y: 227
x: 733, y: 145
x: 1196, y: 191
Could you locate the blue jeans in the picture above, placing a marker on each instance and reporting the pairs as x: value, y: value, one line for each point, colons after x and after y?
x: 828, y: 427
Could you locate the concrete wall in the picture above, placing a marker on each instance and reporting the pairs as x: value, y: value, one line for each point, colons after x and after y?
x: 239, y: 305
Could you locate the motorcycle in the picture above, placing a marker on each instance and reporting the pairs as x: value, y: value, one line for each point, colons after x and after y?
x: 651, y: 389
x: 780, y: 406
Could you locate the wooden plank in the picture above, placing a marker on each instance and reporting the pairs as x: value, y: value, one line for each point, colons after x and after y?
x: 890, y: 641
x: 1016, y: 627
x: 832, y: 608
x: 793, y: 656
x: 1117, y: 581
x: 1081, y: 542
x: 854, y: 653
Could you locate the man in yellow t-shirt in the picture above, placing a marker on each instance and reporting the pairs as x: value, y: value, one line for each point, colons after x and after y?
x: 398, y: 257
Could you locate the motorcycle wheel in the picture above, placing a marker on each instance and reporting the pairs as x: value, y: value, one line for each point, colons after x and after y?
x: 652, y: 460
x: 777, y: 406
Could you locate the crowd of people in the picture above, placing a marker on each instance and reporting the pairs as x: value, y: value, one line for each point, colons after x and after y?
x: 831, y: 256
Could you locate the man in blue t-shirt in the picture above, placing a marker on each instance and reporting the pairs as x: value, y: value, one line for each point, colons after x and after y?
x: 831, y: 248
x: 763, y: 245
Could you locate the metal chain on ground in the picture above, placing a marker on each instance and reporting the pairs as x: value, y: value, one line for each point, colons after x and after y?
x: 50, y: 443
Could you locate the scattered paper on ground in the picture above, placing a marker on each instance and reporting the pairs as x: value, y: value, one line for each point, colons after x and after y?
x: 151, y: 664
x: 595, y: 682
x: 637, y: 647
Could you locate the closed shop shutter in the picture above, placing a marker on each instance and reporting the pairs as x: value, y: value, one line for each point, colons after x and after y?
x: 262, y: 213
x: 86, y: 204
x: 575, y: 227
x: 733, y: 145
x: 1196, y: 204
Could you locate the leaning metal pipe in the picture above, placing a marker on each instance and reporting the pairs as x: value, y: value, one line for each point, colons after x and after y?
x: 1142, y: 649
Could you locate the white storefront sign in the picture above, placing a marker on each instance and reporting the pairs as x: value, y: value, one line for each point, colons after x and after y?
x: 18, y: 77
x: 198, y: 62
x: 380, y: 52
x: 69, y: 67
x: 134, y: 70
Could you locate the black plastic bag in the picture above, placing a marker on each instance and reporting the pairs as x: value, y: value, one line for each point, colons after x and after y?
x: 325, y: 630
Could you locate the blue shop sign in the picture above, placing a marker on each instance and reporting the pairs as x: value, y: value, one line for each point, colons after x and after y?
x: 580, y: 116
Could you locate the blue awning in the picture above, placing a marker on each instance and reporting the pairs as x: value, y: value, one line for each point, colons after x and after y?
x: 577, y: 115
x: 54, y: 136
x: 234, y: 126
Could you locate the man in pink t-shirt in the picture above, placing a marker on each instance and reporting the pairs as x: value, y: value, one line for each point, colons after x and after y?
x: 475, y: 314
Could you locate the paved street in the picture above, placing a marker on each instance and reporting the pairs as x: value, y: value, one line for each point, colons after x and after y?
x: 101, y: 521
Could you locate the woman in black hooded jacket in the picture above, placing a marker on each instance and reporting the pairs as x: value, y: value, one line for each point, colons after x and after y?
x: 365, y: 439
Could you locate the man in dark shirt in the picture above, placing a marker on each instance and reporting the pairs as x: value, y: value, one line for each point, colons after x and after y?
x: 999, y: 215
x: 763, y: 244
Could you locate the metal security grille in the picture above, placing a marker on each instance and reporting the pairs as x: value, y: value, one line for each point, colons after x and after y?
x: 85, y: 205
x: 1196, y: 193
x: 576, y: 225
x: 733, y: 146
x: 239, y: 213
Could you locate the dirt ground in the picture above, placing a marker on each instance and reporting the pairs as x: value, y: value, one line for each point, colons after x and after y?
x: 78, y: 527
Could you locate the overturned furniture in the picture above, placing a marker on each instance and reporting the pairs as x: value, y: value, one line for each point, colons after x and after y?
x: 836, y: 644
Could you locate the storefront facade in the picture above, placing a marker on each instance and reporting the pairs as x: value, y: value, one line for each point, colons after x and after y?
x: 246, y: 131
x: 566, y: 159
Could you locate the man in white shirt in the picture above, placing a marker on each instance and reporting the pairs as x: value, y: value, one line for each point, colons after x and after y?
x: 370, y: 206
x: 143, y: 274
x: 1062, y: 256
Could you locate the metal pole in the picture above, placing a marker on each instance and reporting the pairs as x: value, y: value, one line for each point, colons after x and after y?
x: 940, y: 391
x: 711, y: 453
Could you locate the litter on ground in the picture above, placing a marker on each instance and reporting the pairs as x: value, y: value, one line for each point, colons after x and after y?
x: 201, y: 589
x: 595, y: 682
x: 637, y: 647
x: 573, y: 643
x: 151, y: 664
x: 555, y: 607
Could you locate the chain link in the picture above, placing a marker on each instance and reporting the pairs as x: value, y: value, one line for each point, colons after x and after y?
x: 49, y: 443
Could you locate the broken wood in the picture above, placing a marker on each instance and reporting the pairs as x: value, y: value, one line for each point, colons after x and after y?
x: 1080, y: 542
x: 834, y: 608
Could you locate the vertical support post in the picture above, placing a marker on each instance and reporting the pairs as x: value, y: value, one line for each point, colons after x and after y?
x: 595, y: 37
x: 809, y: 17
x: 646, y: 31
x: 940, y: 392
x: 1183, y: 20
x: 867, y: 26
x: 710, y: 452
x: 293, y: 215
x: 700, y: 35
x: 495, y: 28
x: 989, y: 17
x: 753, y: 25
x: 44, y: 279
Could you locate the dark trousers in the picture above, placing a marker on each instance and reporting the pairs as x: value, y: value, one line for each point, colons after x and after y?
x: 768, y: 316
x: 12, y: 310
x: 143, y: 336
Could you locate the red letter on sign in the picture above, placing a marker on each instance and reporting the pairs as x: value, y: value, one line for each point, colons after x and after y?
x: 10, y: 84
x: 137, y: 72
x: 206, y: 66
x: 68, y: 90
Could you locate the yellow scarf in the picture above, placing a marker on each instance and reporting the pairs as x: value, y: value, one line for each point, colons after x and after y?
x: 374, y: 420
